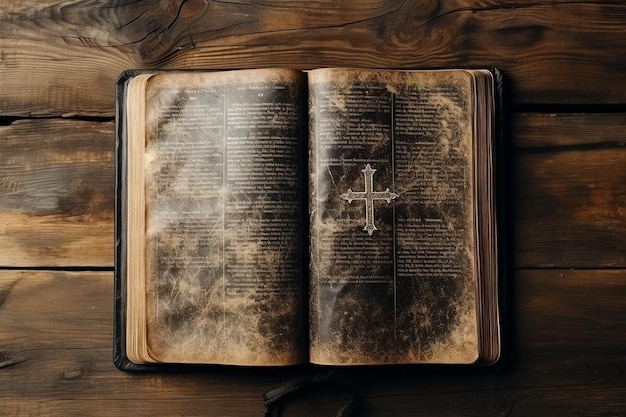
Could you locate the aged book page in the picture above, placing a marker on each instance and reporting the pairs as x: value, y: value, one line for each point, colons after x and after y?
x: 223, y: 223
x: 392, y: 222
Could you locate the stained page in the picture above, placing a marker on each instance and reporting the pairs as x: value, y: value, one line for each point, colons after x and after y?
x: 223, y: 217
x: 392, y: 217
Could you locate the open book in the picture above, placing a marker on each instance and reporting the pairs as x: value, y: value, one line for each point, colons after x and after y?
x: 335, y: 216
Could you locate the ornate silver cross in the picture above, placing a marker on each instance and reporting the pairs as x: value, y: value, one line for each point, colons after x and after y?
x: 369, y: 195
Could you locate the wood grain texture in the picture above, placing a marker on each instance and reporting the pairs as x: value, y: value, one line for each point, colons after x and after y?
x: 56, y: 193
x: 565, y: 327
x: 569, y: 209
x: 564, y: 52
x: 570, y: 189
x: 572, y: 130
x: 568, y: 356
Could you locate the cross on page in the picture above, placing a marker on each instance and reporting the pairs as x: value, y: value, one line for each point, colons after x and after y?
x: 369, y: 195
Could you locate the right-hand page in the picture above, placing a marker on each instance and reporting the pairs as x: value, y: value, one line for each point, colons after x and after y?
x: 392, y: 203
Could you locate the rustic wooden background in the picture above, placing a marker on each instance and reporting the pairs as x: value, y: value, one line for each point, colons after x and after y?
x: 566, y: 63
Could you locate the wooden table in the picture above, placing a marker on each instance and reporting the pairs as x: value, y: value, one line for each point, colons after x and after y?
x: 566, y: 63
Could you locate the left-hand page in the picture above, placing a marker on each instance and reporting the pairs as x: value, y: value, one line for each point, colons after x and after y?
x: 223, y: 229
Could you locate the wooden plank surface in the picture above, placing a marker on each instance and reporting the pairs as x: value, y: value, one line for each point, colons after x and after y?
x: 569, y: 209
x: 565, y: 324
x: 540, y: 131
x: 56, y: 188
x: 72, y: 52
x: 57, y: 361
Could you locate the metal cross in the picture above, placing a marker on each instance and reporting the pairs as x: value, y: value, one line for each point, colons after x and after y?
x: 369, y: 195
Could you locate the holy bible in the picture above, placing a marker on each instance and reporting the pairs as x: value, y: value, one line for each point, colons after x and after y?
x: 334, y: 216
